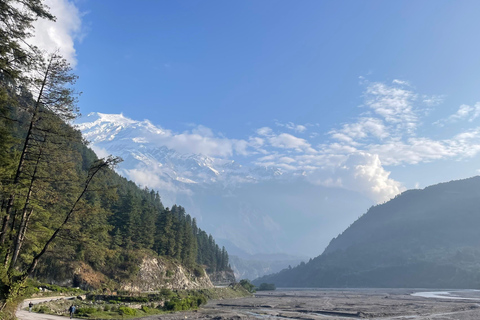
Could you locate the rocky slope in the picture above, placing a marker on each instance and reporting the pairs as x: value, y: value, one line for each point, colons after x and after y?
x: 154, y: 273
x: 159, y: 273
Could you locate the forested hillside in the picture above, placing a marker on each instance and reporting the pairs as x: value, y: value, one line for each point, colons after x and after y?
x: 60, y: 204
x: 423, y: 239
x: 116, y: 217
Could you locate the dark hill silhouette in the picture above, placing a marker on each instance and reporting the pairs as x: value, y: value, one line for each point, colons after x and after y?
x: 426, y: 238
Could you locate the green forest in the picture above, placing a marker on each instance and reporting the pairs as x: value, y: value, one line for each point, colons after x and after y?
x: 59, y: 202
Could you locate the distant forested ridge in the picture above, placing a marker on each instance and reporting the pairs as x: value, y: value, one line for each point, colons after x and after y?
x: 61, y: 206
x: 421, y: 239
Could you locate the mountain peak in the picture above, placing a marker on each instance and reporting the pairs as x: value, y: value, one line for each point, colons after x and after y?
x: 150, y: 160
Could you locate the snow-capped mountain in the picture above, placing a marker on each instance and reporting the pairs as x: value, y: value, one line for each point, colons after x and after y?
x: 150, y: 162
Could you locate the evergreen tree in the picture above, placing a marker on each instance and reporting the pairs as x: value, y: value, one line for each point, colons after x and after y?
x: 16, y: 18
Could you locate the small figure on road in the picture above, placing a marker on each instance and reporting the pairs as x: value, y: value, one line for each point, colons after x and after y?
x: 71, y: 310
x: 30, y: 305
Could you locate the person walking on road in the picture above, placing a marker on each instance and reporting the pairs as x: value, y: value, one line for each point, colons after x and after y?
x: 30, y: 305
x: 71, y: 310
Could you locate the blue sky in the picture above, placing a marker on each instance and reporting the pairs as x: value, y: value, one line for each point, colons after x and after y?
x: 230, y: 65
x: 387, y: 87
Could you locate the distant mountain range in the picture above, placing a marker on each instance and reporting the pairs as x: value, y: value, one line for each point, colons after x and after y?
x: 426, y: 238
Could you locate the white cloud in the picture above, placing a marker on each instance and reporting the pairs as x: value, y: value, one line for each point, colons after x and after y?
x: 413, y: 151
x: 401, y: 82
x: 203, y: 131
x: 433, y: 101
x: 264, y: 131
x: 62, y: 33
x: 386, y: 134
x: 100, y: 152
x: 240, y: 147
x: 300, y: 128
x: 361, y: 172
x: 286, y: 160
x: 390, y: 131
x: 292, y: 126
x: 288, y: 141
x: 418, y: 150
x: 464, y: 112
x: 195, y: 143
x: 146, y: 178
x: 393, y: 104
x: 361, y: 129
x: 268, y: 158
x: 256, y: 141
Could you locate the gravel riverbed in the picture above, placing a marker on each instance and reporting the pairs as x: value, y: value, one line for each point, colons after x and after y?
x: 339, y: 304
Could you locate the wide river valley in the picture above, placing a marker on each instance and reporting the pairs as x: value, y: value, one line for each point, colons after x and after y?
x: 323, y: 304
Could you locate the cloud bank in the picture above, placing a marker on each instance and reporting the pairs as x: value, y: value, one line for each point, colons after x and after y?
x: 352, y: 155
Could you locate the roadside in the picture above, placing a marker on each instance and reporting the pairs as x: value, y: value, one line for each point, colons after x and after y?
x: 25, y: 315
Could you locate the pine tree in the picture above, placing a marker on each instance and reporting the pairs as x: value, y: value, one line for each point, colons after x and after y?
x: 16, y: 18
x: 54, y: 98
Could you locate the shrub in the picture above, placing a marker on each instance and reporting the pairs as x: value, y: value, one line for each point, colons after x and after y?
x: 247, y: 285
x: 187, y: 303
x: 106, y: 308
x: 166, y: 293
x: 201, y: 300
x: 145, y: 309
x: 198, y: 271
x: 127, y: 311
x: 85, y: 311
x: 42, y: 309
x: 175, y: 305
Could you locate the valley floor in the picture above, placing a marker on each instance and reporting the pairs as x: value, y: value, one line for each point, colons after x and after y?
x: 385, y: 304
x: 304, y: 304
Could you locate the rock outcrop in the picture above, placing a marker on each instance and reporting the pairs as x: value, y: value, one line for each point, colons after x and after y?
x: 154, y: 273
x: 160, y: 273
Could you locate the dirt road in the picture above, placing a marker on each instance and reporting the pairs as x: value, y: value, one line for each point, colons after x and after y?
x: 25, y: 315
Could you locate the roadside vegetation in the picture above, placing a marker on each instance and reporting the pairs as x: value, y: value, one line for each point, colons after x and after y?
x: 99, y: 306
